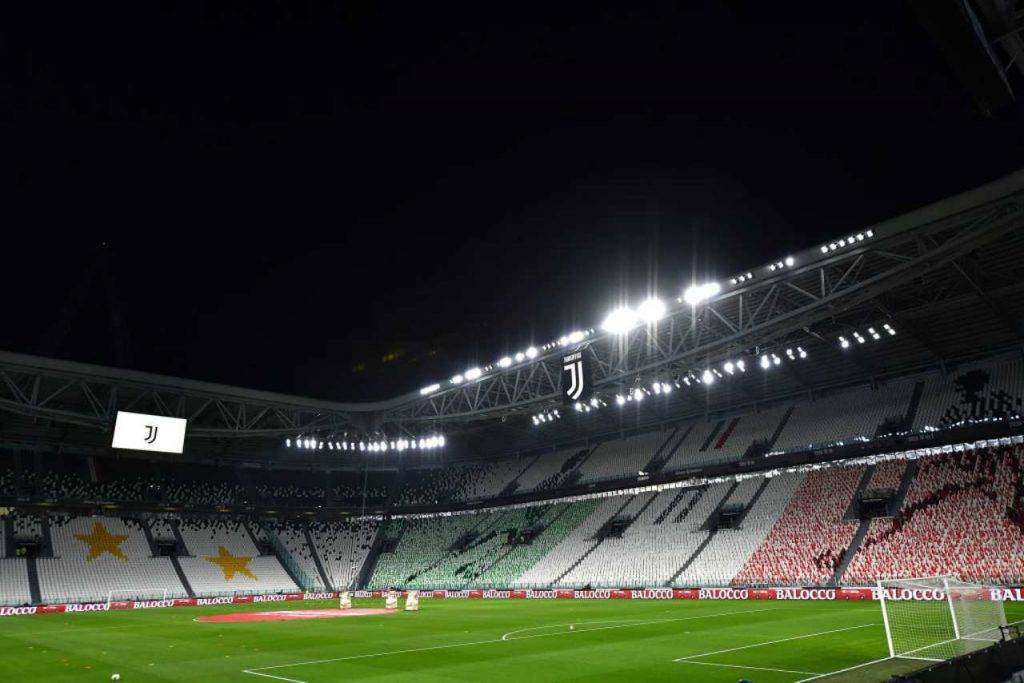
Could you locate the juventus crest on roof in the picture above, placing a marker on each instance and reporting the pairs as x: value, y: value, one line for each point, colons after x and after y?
x: 576, y: 384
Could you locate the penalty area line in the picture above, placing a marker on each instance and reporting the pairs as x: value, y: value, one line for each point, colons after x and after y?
x: 839, y: 671
x: 771, y: 642
x: 280, y: 678
x: 753, y: 668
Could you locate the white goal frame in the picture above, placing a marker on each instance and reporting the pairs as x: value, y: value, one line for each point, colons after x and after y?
x: 134, y: 592
x: 954, y: 630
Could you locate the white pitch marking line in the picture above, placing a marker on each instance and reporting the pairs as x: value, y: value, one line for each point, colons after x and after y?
x: 575, y: 623
x: 636, y: 623
x: 751, y: 668
x: 280, y: 678
x: 772, y: 642
x: 839, y: 671
x: 484, y: 642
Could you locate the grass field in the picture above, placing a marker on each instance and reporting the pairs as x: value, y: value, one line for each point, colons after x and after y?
x: 460, y: 640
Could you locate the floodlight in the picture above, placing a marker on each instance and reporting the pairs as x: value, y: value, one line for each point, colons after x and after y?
x: 742, y: 365
x: 844, y: 342
x: 666, y: 388
x: 776, y: 359
x: 288, y: 443
x: 619, y: 321
x: 707, y: 377
x: 457, y: 379
x: 576, y: 337
x: 429, y: 389
x: 638, y: 394
x: 824, y: 249
x: 505, y: 362
x: 657, y: 387
x: 578, y: 406
x: 800, y: 351
x: 698, y: 293
x: 531, y: 352
x: 789, y: 261
x: 520, y: 357
x: 765, y: 362
x: 620, y: 399
x: 652, y: 310
x: 473, y: 373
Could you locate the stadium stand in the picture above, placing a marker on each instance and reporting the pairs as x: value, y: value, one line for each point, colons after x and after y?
x: 459, y: 482
x: 224, y: 560
x: 296, y: 543
x: 548, y: 471
x: 887, y: 475
x: 651, y: 554
x: 727, y: 439
x: 806, y: 544
x: 621, y: 458
x: 589, y: 517
x: 342, y: 548
x: 850, y: 414
x: 961, y: 515
x: 974, y: 392
x: 96, y: 555
x: 762, y: 502
x: 14, y: 588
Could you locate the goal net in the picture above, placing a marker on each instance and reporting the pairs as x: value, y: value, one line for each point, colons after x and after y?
x: 937, y: 618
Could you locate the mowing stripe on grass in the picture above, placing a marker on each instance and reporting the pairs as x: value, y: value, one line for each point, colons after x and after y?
x: 256, y: 671
x: 772, y: 642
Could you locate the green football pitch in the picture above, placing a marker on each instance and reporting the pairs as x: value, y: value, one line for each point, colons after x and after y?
x: 462, y: 640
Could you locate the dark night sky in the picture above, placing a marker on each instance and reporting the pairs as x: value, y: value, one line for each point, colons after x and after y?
x: 291, y: 190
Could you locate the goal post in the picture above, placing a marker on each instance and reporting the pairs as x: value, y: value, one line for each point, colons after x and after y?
x: 937, y: 618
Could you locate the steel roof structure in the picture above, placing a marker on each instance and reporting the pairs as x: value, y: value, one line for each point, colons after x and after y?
x: 947, y: 278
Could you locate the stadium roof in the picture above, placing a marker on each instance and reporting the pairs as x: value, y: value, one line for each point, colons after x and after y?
x: 945, y: 279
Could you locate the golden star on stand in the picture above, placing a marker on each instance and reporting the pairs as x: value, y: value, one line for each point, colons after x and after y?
x: 231, y: 564
x: 102, y: 541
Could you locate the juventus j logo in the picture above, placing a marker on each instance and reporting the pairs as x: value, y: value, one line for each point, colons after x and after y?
x: 151, y: 432
x: 573, y: 365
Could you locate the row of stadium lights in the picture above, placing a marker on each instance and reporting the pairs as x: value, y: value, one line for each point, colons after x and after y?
x: 847, y: 242
x: 661, y: 388
x: 845, y: 343
x: 382, y: 446
x: 508, y: 361
x: 623, y: 320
